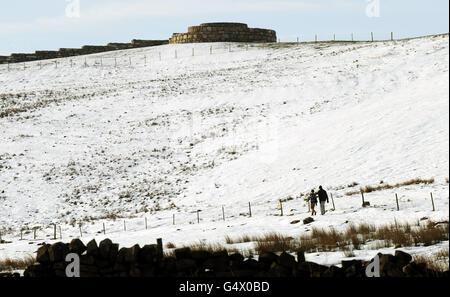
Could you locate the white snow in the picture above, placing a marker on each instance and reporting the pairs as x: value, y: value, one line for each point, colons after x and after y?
x: 177, y: 135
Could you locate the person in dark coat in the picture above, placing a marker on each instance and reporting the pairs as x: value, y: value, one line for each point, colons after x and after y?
x: 323, y: 197
x: 312, y: 198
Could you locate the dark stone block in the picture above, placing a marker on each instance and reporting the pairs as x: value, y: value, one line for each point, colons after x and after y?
x: 333, y: 272
x: 42, y: 254
x: 402, y: 258
x: 92, y: 248
x: 301, y: 257
x: 183, y: 253
x: 77, y: 246
x: 104, y: 248
x: 308, y: 220
x: 121, y: 255
x: 186, y: 265
x: 266, y: 259
x: 132, y: 254
x: 113, y: 252
x: 147, y: 254
x: 287, y: 260
x: 200, y: 256
x: 87, y: 260
x: 58, y: 251
x: 38, y: 270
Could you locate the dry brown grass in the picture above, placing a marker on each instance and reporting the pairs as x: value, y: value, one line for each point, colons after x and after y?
x: 274, y: 242
x: 210, y: 247
x: 241, y: 239
x: 353, y: 238
x: 394, y: 234
x: 383, y: 186
x: 430, y: 235
x: 9, y: 264
x: 170, y: 245
x: 438, y: 261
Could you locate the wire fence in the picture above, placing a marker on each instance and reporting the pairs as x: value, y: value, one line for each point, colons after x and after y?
x: 117, y: 59
x: 119, y: 225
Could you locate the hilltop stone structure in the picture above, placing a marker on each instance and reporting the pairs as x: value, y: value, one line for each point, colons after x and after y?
x: 224, y: 32
x: 209, y: 32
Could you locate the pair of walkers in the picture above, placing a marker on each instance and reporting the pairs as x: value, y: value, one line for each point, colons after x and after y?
x: 321, y: 197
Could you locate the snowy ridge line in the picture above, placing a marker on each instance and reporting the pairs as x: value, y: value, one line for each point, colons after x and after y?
x: 79, y: 60
x: 98, y: 59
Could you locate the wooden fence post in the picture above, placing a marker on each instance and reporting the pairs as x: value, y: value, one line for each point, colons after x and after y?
x: 371, y: 35
x: 146, y: 223
x: 281, y: 207
x: 145, y: 60
x: 352, y: 36
x: 223, y: 213
x: 362, y: 197
x: 198, y: 216
x: 85, y: 62
x: 432, y: 201
x: 21, y: 235
x: 129, y: 58
x: 81, y: 232
x: 8, y: 66
x: 315, y: 38
x: 332, y: 201
x: 297, y: 40
x: 193, y: 52
x: 250, y: 209
x: 173, y: 219
x: 210, y: 50
x: 104, y: 229
x: 34, y: 233
x: 54, y: 231
x: 124, y: 226
x: 396, y: 199
x: 392, y: 36
x: 159, y: 247
x: 60, y: 232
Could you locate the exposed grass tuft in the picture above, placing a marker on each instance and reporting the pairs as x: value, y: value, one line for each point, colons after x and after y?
x: 383, y: 186
x: 9, y: 264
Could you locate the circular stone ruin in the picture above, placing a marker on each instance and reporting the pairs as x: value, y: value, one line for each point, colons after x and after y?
x: 224, y: 32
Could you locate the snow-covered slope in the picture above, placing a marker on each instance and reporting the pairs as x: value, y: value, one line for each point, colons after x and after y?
x: 155, y: 137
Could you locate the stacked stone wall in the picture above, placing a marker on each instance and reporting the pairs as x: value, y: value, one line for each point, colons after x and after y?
x: 224, y: 32
x: 108, y: 260
x: 84, y: 50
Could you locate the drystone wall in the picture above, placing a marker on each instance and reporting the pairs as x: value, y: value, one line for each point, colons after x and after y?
x: 107, y: 260
x: 84, y: 50
x: 224, y: 32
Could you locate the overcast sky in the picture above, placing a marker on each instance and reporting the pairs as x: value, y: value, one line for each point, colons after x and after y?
x: 29, y: 25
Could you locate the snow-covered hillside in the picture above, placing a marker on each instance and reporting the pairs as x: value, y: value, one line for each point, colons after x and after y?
x: 153, y: 137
